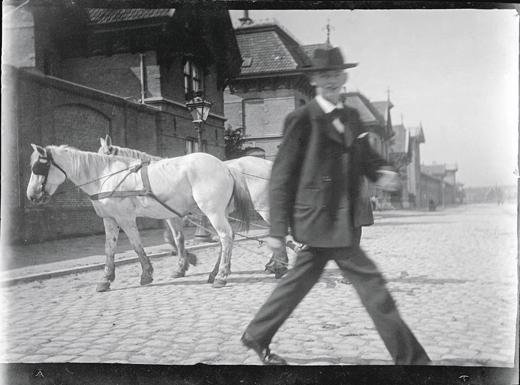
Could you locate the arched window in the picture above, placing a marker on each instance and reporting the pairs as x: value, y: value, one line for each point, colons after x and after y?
x: 193, y: 79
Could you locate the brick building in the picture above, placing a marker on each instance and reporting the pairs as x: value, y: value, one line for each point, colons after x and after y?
x: 72, y: 75
x: 270, y: 85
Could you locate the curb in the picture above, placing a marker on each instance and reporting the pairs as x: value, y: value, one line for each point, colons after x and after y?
x: 99, y: 266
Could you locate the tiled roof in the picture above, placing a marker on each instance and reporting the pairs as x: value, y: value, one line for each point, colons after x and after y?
x: 267, y: 48
x: 400, y: 139
x: 111, y: 15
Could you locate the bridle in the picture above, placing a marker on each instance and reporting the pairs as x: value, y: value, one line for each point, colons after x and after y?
x: 42, y: 166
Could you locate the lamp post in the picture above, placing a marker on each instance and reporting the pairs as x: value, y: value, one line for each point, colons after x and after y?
x: 199, y: 110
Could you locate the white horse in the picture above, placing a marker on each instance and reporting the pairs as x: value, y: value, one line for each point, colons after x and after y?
x: 122, y: 189
x: 256, y: 171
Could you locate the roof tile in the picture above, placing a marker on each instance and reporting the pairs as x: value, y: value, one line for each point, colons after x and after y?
x: 267, y: 52
x: 111, y: 15
x: 269, y: 48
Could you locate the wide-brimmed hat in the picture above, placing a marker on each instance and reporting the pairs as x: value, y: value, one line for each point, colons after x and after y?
x: 328, y: 59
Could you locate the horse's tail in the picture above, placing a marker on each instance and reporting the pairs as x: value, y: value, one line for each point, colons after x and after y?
x: 242, y: 201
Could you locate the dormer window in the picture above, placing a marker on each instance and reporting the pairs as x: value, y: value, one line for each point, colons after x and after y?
x: 193, y: 79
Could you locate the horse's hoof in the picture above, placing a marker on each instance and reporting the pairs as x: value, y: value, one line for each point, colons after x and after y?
x: 174, y: 252
x: 192, y: 259
x: 211, y: 278
x: 179, y: 274
x: 279, y: 273
x: 219, y: 283
x: 102, y: 286
x: 146, y: 280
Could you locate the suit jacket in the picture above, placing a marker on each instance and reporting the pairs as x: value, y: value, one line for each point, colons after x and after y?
x: 316, y: 177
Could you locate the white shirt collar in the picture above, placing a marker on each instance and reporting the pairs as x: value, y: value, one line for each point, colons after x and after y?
x: 325, y: 105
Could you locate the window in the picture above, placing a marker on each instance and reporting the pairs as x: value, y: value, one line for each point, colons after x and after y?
x: 193, y: 79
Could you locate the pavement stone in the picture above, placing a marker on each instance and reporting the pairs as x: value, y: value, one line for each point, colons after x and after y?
x: 451, y: 272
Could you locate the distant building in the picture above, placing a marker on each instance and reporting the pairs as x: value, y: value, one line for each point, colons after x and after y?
x: 488, y: 194
x: 377, y: 121
x: 447, y: 180
x: 400, y: 156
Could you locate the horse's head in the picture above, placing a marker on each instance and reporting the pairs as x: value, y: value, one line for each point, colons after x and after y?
x: 46, y: 176
x: 106, y: 146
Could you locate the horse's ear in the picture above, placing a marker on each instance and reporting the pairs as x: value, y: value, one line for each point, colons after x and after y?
x: 108, y: 140
x: 102, y: 142
x: 39, y: 149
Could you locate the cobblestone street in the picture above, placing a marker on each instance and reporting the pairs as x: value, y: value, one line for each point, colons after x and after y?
x: 453, y: 274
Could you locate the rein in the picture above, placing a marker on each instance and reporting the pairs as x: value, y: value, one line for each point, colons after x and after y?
x: 43, y: 165
x: 254, y: 176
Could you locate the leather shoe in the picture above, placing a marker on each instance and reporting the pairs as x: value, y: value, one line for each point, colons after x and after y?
x: 264, y: 353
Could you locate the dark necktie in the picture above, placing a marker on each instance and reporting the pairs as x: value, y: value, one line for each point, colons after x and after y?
x: 335, y: 113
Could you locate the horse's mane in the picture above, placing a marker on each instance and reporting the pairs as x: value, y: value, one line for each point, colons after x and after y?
x: 87, y: 160
x: 131, y: 153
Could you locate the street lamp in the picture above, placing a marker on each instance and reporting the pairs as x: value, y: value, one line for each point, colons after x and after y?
x: 199, y: 110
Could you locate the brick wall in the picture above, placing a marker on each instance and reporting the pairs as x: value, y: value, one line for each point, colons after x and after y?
x: 118, y: 74
x: 46, y: 111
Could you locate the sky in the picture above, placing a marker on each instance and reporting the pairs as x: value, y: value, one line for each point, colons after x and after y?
x: 453, y: 71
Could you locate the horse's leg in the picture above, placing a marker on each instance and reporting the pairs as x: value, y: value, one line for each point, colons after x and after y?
x: 225, y: 233
x: 169, y: 237
x: 214, y: 272
x: 175, y: 226
x: 111, y: 235
x: 130, y: 228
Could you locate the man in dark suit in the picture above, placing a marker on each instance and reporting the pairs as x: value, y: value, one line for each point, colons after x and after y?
x: 314, y: 190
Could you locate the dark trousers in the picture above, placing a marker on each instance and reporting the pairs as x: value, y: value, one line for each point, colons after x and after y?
x: 370, y: 286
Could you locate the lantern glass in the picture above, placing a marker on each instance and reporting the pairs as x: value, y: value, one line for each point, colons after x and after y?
x: 199, y: 109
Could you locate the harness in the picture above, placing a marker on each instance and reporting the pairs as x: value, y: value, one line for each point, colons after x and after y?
x: 146, y: 191
x: 43, y: 164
